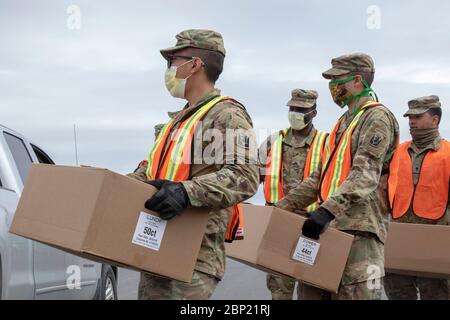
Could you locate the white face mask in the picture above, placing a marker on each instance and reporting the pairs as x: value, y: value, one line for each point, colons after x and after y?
x: 297, y: 120
x: 174, y: 85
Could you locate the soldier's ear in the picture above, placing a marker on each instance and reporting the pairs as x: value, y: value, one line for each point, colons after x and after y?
x: 358, y: 81
x: 198, y: 64
x: 313, y: 114
x: 435, y: 120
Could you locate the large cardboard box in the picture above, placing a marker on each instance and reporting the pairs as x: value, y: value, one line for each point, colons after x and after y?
x: 418, y: 249
x: 273, y: 243
x: 100, y: 215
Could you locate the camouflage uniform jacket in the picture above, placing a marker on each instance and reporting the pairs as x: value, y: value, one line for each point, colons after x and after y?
x: 294, y: 155
x: 221, y: 185
x: 360, y: 203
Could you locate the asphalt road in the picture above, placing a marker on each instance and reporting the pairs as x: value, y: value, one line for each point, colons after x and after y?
x: 240, y: 282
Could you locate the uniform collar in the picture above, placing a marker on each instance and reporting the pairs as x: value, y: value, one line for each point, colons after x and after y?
x: 434, y: 145
x: 214, y: 93
x: 349, y: 115
x: 187, y: 110
x: 291, y: 141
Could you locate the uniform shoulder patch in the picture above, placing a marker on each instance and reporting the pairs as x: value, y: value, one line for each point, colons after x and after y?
x: 375, y: 139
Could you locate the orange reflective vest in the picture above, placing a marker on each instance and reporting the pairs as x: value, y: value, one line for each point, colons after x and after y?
x: 429, y: 198
x: 273, y: 180
x: 170, y: 158
x: 337, y: 155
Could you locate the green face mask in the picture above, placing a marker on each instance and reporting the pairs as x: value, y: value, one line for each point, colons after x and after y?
x: 342, y: 97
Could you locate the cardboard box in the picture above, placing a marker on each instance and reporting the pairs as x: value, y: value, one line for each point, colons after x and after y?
x: 100, y: 215
x: 418, y: 249
x: 271, y: 240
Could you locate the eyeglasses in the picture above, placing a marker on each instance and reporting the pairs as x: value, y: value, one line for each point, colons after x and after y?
x: 173, y: 57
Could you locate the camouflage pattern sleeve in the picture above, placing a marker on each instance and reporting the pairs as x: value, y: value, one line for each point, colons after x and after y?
x: 140, y: 172
x: 301, y: 195
x: 263, y: 152
x: 375, y: 138
x: 237, y: 178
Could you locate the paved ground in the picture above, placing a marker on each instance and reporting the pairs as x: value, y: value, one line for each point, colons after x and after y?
x: 240, y: 282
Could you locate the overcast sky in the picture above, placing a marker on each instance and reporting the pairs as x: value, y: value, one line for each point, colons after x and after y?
x: 107, y: 77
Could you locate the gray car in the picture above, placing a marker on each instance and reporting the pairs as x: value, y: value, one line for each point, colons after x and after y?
x: 29, y: 269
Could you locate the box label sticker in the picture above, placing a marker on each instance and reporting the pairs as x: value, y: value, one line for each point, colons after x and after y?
x: 306, y: 251
x: 149, y: 231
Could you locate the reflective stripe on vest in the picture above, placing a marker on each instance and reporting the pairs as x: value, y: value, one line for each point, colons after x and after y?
x: 273, y: 182
x: 338, y: 158
x: 429, y: 198
x: 313, y: 161
x: 170, y: 158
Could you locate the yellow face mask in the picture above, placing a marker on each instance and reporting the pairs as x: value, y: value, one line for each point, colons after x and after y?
x: 174, y: 85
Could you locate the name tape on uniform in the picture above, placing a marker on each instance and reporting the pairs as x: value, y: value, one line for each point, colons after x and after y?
x: 306, y: 251
x: 149, y: 231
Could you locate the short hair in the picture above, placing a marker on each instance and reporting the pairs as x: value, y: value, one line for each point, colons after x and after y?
x: 213, y: 61
x: 367, y: 76
x: 435, y: 112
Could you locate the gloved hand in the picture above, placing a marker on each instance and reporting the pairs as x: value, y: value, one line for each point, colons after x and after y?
x: 317, y: 223
x: 170, y: 200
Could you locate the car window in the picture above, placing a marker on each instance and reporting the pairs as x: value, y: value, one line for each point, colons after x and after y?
x: 20, y: 154
x: 41, y: 155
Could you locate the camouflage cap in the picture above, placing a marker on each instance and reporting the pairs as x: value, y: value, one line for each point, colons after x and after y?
x: 349, y: 63
x: 303, y: 98
x: 422, y: 104
x: 196, y: 38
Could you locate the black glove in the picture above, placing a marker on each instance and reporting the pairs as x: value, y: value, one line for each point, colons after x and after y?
x: 170, y: 200
x: 317, y: 223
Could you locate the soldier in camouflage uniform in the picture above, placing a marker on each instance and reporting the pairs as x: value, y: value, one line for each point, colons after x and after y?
x: 358, y: 206
x: 198, y: 56
x: 295, y: 146
x: 424, y: 116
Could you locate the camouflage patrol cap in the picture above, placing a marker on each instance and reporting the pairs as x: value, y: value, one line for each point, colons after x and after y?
x: 196, y: 38
x: 303, y: 98
x: 350, y: 63
x: 422, y: 104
